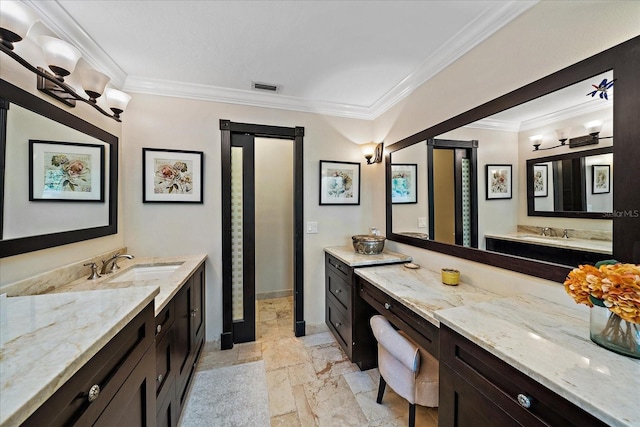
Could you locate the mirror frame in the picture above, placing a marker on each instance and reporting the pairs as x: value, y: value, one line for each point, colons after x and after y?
x: 624, y: 60
x: 14, y: 95
x: 562, y: 214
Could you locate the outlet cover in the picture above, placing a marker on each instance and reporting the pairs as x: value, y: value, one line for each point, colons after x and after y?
x: 312, y: 227
x: 422, y: 222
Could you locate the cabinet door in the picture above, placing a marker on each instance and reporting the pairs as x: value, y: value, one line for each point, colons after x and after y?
x: 167, y: 412
x: 183, y: 334
x: 165, y: 365
x: 197, y: 306
x: 135, y: 403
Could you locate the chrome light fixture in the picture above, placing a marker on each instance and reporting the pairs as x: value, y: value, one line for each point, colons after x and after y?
x: 61, y: 58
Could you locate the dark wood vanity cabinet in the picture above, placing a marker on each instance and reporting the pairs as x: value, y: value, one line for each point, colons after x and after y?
x: 180, y: 337
x: 347, y: 315
x: 477, y: 389
x: 123, y: 370
x: 545, y: 253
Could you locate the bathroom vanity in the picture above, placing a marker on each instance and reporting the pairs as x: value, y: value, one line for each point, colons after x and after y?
x: 123, y: 348
x: 519, y: 360
x: 343, y: 305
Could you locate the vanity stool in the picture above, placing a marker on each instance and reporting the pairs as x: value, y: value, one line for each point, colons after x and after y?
x: 409, y: 369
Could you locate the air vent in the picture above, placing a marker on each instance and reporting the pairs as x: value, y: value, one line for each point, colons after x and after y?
x: 264, y: 86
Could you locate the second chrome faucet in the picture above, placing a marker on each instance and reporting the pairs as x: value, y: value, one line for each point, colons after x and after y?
x: 114, y: 263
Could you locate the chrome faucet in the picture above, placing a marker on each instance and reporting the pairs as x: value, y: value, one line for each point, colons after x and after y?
x: 546, y: 231
x: 114, y: 263
x: 374, y: 231
x: 565, y: 233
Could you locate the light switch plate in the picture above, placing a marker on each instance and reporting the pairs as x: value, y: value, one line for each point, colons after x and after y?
x: 422, y: 222
x: 312, y: 227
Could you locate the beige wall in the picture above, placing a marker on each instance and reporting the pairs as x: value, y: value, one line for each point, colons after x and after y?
x: 546, y: 38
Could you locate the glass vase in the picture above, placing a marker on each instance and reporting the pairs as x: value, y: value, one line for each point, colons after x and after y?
x: 608, y: 330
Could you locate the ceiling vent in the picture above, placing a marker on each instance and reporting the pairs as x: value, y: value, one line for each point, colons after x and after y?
x: 264, y: 86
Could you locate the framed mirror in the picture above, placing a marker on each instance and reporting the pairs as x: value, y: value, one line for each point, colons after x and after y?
x: 59, y: 175
x: 503, y: 128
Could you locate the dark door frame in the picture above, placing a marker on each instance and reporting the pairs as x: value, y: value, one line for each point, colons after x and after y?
x: 296, y: 134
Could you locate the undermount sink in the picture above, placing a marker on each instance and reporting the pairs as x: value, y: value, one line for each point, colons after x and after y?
x: 542, y: 238
x: 145, y: 272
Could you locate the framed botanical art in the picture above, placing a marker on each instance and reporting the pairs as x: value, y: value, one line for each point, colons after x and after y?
x: 339, y: 183
x: 172, y: 176
x: 404, y: 184
x: 540, y: 180
x: 499, y: 182
x: 66, y: 171
x: 601, y: 179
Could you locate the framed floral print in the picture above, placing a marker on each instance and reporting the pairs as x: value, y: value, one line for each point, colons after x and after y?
x: 339, y: 183
x: 172, y: 176
x: 404, y: 183
x: 601, y: 179
x: 499, y: 182
x: 66, y: 171
x: 540, y: 180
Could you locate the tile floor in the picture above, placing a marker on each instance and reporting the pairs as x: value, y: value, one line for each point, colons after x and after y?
x: 311, y: 381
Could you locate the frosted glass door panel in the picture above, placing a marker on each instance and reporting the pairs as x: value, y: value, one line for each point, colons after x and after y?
x: 236, y: 233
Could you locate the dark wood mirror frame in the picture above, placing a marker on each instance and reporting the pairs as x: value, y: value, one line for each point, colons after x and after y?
x: 14, y: 95
x: 624, y: 60
x: 564, y: 214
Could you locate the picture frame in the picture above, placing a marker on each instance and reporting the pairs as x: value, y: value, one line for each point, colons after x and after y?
x: 499, y: 180
x: 339, y: 183
x: 404, y: 183
x: 66, y: 171
x: 601, y: 179
x: 540, y: 180
x: 172, y: 176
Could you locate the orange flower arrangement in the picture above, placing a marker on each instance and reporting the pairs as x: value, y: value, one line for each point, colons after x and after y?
x: 615, y: 286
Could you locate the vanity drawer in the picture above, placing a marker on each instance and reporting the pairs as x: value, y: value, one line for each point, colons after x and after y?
x: 340, y: 268
x: 165, y: 364
x: 338, y: 321
x: 340, y: 289
x: 109, y: 369
x: 499, y: 385
x: 164, y: 320
x: 421, y: 330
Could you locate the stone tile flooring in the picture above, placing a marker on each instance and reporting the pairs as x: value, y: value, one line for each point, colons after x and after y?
x: 311, y: 381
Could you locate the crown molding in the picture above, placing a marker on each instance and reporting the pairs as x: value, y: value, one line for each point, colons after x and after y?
x: 566, y: 113
x: 54, y: 16
x: 492, y: 124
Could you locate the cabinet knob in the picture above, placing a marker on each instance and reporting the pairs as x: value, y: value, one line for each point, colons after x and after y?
x: 193, y: 312
x: 524, y: 400
x: 338, y: 324
x: 160, y: 377
x: 94, y: 391
x: 338, y: 291
x: 387, y: 305
x: 158, y: 329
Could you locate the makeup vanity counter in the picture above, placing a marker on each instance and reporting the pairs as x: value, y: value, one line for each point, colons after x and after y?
x: 347, y: 255
x: 587, y: 245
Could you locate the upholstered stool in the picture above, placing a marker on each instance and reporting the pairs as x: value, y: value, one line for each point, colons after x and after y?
x: 408, y: 368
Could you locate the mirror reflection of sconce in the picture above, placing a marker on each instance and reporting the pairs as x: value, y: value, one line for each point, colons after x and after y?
x: 61, y: 58
x: 593, y: 129
x: 373, y: 152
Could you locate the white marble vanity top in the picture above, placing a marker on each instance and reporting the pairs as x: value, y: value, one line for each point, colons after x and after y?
x: 169, y: 286
x: 46, y: 339
x: 550, y: 343
x: 352, y: 258
x: 586, y: 245
x: 422, y: 290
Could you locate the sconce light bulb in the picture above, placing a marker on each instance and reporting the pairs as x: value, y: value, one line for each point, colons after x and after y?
x: 593, y: 127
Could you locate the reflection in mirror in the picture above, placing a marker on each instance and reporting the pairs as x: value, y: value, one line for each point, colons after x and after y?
x: 410, y: 219
x: 26, y: 225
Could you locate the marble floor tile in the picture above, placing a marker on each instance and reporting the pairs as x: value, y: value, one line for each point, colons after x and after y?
x: 283, y: 352
x: 330, y: 360
x: 318, y: 339
x: 281, y: 400
x: 360, y: 382
x: 249, y: 350
x: 287, y: 420
x: 306, y: 416
x: 301, y: 373
x: 333, y: 403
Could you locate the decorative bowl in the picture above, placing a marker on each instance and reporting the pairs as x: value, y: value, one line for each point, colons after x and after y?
x: 368, y: 244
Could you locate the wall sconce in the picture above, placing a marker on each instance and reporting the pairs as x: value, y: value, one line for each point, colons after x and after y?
x: 373, y: 152
x: 536, y: 140
x: 61, y: 58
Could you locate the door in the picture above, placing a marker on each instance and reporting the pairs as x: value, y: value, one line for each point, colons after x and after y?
x: 238, y: 226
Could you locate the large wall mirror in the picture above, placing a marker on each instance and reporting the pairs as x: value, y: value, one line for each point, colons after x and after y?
x: 542, y: 208
x: 59, y: 175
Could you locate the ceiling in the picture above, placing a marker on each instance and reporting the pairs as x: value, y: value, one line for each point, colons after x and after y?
x: 344, y: 58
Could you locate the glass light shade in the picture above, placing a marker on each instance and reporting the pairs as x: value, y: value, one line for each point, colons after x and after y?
x: 535, y: 139
x: 368, y: 149
x: 562, y: 134
x: 15, y: 21
x: 93, y: 82
x: 593, y: 127
x: 61, y: 57
x: 117, y: 100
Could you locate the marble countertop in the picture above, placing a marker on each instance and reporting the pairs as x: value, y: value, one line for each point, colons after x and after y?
x: 46, y: 339
x: 422, y: 290
x: 169, y: 285
x: 587, y: 245
x: 550, y: 343
x: 352, y: 258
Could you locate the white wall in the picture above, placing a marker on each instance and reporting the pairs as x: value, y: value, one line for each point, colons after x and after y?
x: 546, y: 38
x: 274, y: 215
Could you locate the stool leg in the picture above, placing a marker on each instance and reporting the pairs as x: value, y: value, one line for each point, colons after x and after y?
x: 381, y: 387
x: 412, y: 415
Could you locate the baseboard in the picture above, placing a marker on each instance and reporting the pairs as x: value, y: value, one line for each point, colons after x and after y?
x: 300, y: 328
x: 275, y: 294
